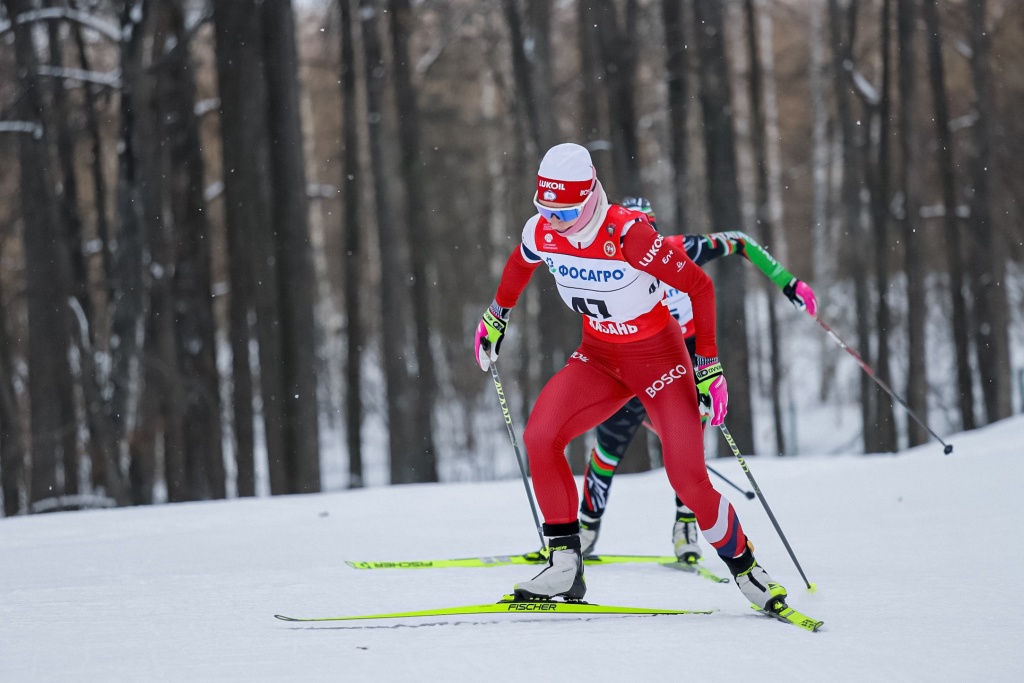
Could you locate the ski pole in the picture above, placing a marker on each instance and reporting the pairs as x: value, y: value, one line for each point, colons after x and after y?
x: 712, y: 470
x: 736, y: 451
x: 515, y: 447
x: 748, y: 494
x: 946, y: 448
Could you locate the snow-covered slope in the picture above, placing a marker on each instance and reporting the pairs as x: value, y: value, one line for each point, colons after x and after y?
x: 917, y: 558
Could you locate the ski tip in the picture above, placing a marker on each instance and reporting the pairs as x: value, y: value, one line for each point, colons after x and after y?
x: 812, y: 588
x: 284, y: 618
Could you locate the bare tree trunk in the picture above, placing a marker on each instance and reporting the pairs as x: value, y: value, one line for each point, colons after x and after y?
x: 724, y: 199
x: 396, y: 332
x: 989, y: 250
x: 548, y: 134
x: 764, y: 212
x: 422, y: 463
x: 103, y: 443
x: 12, y: 444
x: 618, y: 53
x: 192, y: 285
x: 162, y: 382
x: 130, y: 292
x: 678, y: 104
x: 352, y: 227
x: 913, y: 237
x: 842, y: 67
x: 251, y: 235
x: 71, y: 223
x: 885, y: 424
x: 69, y: 210
x: 46, y: 267
x: 99, y: 182
x: 951, y: 227
x: 823, y: 159
x: 291, y: 221
x: 242, y: 100
x: 591, y: 86
x: 526, y: 98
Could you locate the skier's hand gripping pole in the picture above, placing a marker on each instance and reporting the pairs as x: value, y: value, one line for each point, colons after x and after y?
x: 811, y: 588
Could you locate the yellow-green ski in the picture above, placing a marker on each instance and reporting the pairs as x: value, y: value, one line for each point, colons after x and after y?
x: 506, y: 560
x: 540, y: 557
x: 789, y: 615
x: 508, y: 605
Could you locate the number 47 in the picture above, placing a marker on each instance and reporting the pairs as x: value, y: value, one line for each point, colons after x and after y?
x: 579, y: 304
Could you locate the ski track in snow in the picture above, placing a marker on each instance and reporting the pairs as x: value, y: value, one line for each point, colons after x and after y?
x: 916, y: 558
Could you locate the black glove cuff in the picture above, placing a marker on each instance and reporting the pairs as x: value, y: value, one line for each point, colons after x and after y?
x: 790, y: 290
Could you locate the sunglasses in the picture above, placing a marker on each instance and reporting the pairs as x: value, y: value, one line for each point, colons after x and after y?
x: 564, y: 215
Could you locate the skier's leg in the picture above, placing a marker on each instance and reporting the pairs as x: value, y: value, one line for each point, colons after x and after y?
x: 577, y: 398
x: 685, y: 539
x: 672, y: 407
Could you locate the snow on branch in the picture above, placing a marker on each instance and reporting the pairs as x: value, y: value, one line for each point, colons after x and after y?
x: 204, y: 107
x: 22, y: 127
x: 864, y: 88
x: 965, y: 121
x: 109, y: 79
x: 107, y: 29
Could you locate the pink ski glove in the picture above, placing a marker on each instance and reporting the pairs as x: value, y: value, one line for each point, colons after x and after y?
x: 489, y: 333
x: 712, y: 390
x: 802, y: 296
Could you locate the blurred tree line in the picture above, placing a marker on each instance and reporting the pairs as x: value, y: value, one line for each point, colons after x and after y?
x: 231, y: 229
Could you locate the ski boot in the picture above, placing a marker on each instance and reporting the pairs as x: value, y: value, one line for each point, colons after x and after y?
x: 759, y: 588
x: 684, y: 536
x: 562, y: 577
x: 590, y: 529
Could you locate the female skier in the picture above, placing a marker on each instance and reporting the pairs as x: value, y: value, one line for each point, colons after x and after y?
x: 615, y: 434
x: 610, y: 265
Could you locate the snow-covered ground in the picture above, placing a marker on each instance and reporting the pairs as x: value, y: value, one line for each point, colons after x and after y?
x: 917, y: 558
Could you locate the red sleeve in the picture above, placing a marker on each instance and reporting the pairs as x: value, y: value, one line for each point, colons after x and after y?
x: 648, y: 251
x: 514, y: 279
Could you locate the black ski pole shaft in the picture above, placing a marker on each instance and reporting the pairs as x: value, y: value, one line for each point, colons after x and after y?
x: 712, y: 470
x: 946, y: 448
x: 519, y: 457
x: 736, y: 451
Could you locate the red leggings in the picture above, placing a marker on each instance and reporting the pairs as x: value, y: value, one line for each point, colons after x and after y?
x: 598, y: 379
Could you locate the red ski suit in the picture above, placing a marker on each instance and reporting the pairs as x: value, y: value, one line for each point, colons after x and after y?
x: 631, y: 347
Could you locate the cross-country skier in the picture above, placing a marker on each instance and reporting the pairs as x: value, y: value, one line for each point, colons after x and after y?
x: 612, y: 266
x: 615, y: 434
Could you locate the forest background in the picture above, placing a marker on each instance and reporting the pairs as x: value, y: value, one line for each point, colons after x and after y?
x: 243, y: 242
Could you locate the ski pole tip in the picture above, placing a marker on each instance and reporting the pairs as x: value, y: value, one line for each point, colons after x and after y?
x: 812, y: 588
x: 749, y: 495
x: 948, y: 449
